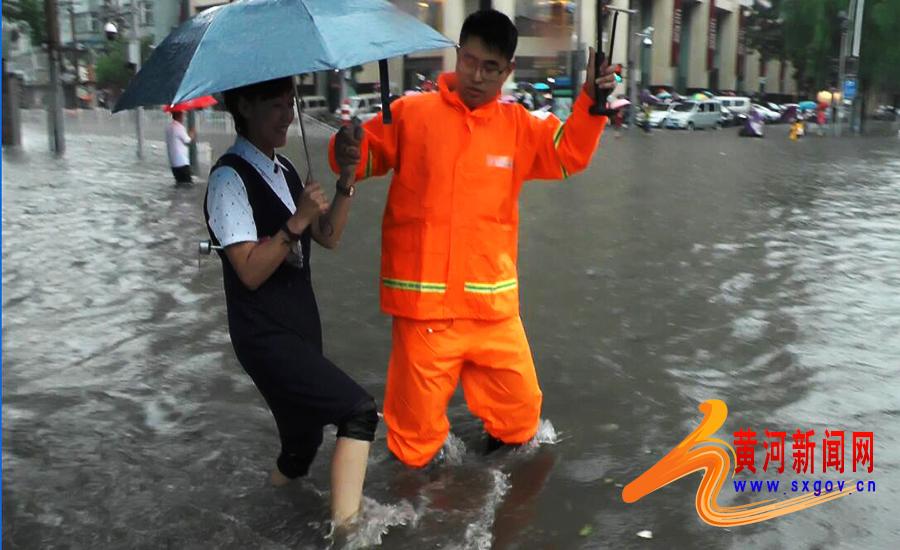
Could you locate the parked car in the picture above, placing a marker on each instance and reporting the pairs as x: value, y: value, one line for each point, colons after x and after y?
x: 736, y: 104
x: 315, y: 105
x: 365, y: 117
x: 360, y: 104
x: 769, y: 115
x: 659, y: 113
x: 727, y: 118
x: 693, y: 115
x: 886, y: 112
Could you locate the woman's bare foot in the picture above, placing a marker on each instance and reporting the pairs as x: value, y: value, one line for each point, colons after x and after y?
x: 278, y: 479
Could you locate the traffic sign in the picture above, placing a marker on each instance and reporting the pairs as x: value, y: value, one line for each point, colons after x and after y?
x: 850, y: 88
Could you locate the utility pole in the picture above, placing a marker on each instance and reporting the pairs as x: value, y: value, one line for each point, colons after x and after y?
x: 857, y: 8
x: 191, y: 118
x: 12, y: 118
x: 842, y: 56
x: 74, y: 51
x: 634, y: 45
x: 134, y: 53
x: 54, y: 116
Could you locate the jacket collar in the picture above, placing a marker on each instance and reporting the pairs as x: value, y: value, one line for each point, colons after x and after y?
x: 447, y: 83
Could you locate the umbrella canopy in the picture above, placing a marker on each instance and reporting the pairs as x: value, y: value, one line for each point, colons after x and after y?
x: 191, y: 104
x: 663, y: 95
x: 541, y: 86
x: 252, y: 41
x: 619, y: 103
x: 806, y: 105
x: 699, y: 97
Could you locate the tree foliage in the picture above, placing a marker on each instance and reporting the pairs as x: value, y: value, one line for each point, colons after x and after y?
x: 808, y: 34
x: 31, y: 12
x: 880, y: 52
x: 112, y: 69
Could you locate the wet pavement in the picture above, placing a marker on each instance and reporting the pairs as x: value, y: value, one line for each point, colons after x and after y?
x: 679, y: 268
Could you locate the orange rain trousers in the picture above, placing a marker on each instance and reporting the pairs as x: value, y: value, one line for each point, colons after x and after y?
x: 427, y: 361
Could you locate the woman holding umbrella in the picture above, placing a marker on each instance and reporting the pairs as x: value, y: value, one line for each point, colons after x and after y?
x: 264, y: 218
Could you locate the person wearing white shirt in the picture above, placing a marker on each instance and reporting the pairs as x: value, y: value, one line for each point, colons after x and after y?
x: 177, y: 141
x: 263, y: 216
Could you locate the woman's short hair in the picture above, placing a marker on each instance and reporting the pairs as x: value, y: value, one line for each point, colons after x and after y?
x: 261, y: 90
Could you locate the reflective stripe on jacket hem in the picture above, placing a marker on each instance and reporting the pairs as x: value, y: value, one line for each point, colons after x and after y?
x: 491, y: 288
x: 414, y: 286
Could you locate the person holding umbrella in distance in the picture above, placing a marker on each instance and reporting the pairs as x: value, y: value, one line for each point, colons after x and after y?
x: 178, y: 139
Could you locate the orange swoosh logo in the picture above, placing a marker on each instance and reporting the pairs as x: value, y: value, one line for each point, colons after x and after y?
x: 701, y: 451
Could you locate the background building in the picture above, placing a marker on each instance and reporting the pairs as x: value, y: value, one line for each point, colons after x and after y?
x: 696, y: 44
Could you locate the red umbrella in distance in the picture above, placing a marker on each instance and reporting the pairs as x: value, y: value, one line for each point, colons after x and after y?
x: 191, y: 104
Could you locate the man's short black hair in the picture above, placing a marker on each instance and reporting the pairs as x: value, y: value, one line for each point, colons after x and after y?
x: 494, y: 29
x: 261, y: 90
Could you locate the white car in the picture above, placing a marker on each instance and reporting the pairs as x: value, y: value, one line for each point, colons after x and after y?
x: 659, y: 113
x: 768, y: 114
x: 738, y: 105
x: 693, y: 115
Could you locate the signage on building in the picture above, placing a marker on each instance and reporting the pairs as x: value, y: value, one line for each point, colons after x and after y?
x: 676, y: 32
x: 711, y: 30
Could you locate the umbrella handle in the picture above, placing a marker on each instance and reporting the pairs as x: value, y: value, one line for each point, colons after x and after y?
x: 385, y: 91
x: 600, y: 107
x: 299, y: 104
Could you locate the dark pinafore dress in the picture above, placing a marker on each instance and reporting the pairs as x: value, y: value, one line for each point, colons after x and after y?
x: 277, y: 334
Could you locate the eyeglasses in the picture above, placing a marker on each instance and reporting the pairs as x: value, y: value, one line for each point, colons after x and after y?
x: 490, y: 70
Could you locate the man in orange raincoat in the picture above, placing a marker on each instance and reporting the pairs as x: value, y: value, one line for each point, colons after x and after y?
x: 450, y: 236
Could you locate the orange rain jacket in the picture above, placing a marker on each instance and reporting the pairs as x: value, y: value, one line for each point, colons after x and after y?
x: 450, y: 228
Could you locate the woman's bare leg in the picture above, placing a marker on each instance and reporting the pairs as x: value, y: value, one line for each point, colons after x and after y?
x: 348, y: 471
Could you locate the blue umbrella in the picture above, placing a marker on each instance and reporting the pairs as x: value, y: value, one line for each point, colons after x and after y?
x: 806, y: 105
x: 253, y: 41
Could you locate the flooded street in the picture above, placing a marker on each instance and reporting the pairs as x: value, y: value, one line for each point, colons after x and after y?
x: 680, y: 267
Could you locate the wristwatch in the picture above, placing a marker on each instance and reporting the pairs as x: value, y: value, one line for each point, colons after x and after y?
x: 346, y: 190
x: 294, y: 237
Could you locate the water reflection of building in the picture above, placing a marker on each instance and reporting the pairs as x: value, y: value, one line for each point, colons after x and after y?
x: 696, y: 44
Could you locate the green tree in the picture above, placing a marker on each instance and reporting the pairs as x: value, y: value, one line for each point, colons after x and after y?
x: 31, y: 12
x: 765, y: 31
x: 880, y: 47
x: 112, y: 70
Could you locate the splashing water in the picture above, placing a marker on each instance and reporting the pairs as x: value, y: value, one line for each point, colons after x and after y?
x: 546, y: 435
x: 373, y: 522
x: 453, y: 451
x: 478, y: 534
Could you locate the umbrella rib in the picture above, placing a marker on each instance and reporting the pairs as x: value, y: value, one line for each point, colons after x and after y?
x: 178, y: 99
x: 315, y: 27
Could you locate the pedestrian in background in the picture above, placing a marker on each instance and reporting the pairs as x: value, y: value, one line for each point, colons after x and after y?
x: 177, y: 141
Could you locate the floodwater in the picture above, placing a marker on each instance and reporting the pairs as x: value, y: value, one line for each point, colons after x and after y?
x: 678, y: 268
